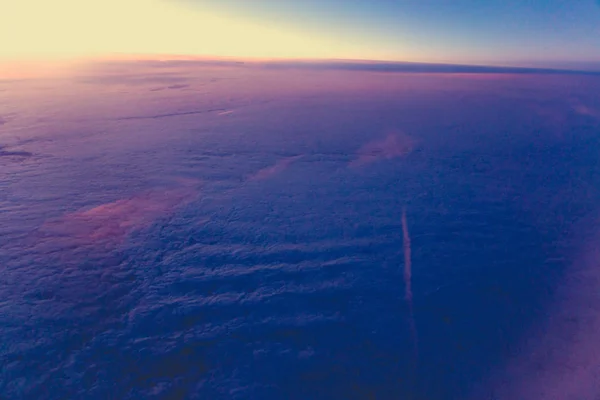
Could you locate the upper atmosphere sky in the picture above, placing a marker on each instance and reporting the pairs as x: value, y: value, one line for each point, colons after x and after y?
x: 549, y: 33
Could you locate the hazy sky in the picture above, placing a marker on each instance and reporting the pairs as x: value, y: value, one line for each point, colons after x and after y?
x: 515, y: 32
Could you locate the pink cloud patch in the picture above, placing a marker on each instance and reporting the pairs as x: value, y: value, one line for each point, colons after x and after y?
x: 394, y: 145
x: 585, y: 110
x: 275, y: 169
x: 112, y: 222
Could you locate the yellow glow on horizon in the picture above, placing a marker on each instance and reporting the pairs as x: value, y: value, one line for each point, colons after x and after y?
x: 76, y: 28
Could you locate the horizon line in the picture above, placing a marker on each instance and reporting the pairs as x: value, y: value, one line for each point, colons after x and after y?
x: 358, y: 64
x: 345, y: 64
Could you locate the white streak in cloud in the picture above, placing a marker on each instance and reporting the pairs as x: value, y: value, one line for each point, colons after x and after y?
x: 408, y: 280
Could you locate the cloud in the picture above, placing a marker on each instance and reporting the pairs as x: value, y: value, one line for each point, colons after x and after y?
x: 112, y: 222
x: 414, y: 67
x: 554, y: 118
x: 15, y: 154
x: 180, y: 86
x: 585, y: 110
x: 408, y: 282
x: 275, y: 169
x: 141, y: 78
x: 173, y: 114
x: 395, y: 144
x: 561, y: 361
x: 7, y: 153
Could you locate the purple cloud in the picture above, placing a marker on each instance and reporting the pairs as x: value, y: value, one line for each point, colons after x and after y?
x: 561, y: 359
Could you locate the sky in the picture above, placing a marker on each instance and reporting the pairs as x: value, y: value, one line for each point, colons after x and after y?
x: 545, y: 33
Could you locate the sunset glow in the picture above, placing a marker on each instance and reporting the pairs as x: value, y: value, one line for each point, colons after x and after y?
x: 71, y: 28
x: 552, y: 33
